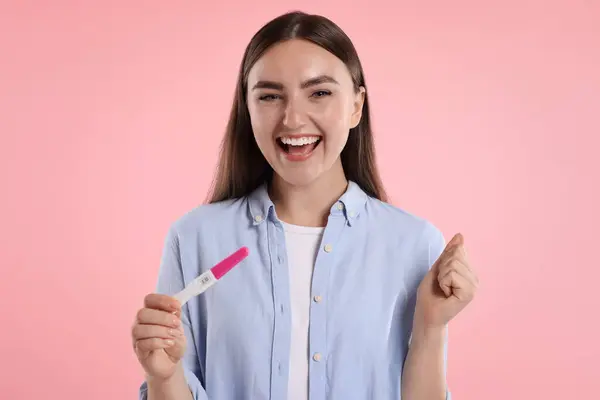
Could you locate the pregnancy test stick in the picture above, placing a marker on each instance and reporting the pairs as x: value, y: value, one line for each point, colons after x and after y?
x: 212, y: 276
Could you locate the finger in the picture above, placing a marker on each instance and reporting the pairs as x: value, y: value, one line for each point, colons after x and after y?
x: 459, y: 253
x: 149, y: 316
x: 465, y: 269
x: 459, y: 266
x: 452, y: 263
x: 463, y: 250
x: 449, y: 250
x: 457, y: 240
x: 444, y: 269
x: 445, y: 283
x: 463, y: 289
x: 459, y: 250
x: 447, y: 289
x: 162, y: 302
x: 147, y: 345
x: 178, y: 349
x: 140, y: 332
x: 458, y: 286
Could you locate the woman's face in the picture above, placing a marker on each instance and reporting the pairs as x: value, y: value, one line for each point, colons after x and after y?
x: 302, y: 104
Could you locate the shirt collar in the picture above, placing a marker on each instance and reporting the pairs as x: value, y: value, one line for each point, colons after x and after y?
x: 350, y: 204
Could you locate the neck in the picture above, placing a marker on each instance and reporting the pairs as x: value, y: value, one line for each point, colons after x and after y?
x: 308, y: 205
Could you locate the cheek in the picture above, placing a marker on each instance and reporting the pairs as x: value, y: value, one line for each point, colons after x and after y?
x: 332, y: 118
x: 263, y: 121
x: 334, y: 113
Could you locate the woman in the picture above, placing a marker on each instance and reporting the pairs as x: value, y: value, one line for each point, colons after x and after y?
x: 337, y: 280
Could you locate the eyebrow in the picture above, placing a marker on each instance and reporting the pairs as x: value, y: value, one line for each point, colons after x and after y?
x: 308, y: 83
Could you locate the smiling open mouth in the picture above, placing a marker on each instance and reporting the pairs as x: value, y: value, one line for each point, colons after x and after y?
x: 298, y: 146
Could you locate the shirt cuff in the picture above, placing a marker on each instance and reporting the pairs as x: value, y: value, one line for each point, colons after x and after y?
x: 198, y: 392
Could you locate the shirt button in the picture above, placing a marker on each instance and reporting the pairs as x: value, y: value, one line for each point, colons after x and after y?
x: 328, y: 248
x: 258, y: 218
x: 317, y: 299
x: 340, y: 206
x: 317, y: 357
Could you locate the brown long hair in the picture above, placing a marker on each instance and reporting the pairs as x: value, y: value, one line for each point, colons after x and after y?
x: 242, y: 167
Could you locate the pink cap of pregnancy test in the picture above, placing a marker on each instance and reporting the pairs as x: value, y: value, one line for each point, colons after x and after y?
x: 231, y: 261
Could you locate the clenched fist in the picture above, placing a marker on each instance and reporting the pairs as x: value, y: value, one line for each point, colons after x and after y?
x: 447, y: 288
x: 158, y: 336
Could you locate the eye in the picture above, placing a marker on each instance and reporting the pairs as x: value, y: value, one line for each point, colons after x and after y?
x: 321, y: 93
x: 269, y: 97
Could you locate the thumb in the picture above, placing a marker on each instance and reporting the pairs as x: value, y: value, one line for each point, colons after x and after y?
x: 456, y: 240
x: 434, y: 271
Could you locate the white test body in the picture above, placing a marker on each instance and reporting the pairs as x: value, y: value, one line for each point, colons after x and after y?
x: 196, y: 287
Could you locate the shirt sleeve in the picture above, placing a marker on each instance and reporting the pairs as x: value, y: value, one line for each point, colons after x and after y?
x: 170, y: 281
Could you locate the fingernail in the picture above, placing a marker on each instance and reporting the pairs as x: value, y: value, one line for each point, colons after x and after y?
x: 175, y: 333
x: 169, y: 342
x: 176, y: 321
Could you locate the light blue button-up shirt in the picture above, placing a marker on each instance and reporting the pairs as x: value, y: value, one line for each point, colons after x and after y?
x: 372, y: 258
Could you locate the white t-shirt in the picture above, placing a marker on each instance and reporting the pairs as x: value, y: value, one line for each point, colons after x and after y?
x: 302, y: 244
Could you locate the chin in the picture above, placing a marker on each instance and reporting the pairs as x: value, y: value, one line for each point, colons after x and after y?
x: 299, y: 175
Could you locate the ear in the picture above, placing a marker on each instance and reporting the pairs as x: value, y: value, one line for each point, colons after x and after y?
x: 359, y: 100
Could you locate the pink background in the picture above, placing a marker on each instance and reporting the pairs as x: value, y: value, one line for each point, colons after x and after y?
x: 486, y: 119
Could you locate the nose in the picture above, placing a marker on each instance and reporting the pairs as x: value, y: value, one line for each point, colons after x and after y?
x: 293, y: 115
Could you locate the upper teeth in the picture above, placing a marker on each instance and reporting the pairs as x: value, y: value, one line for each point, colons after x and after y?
x: 299, y: 141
